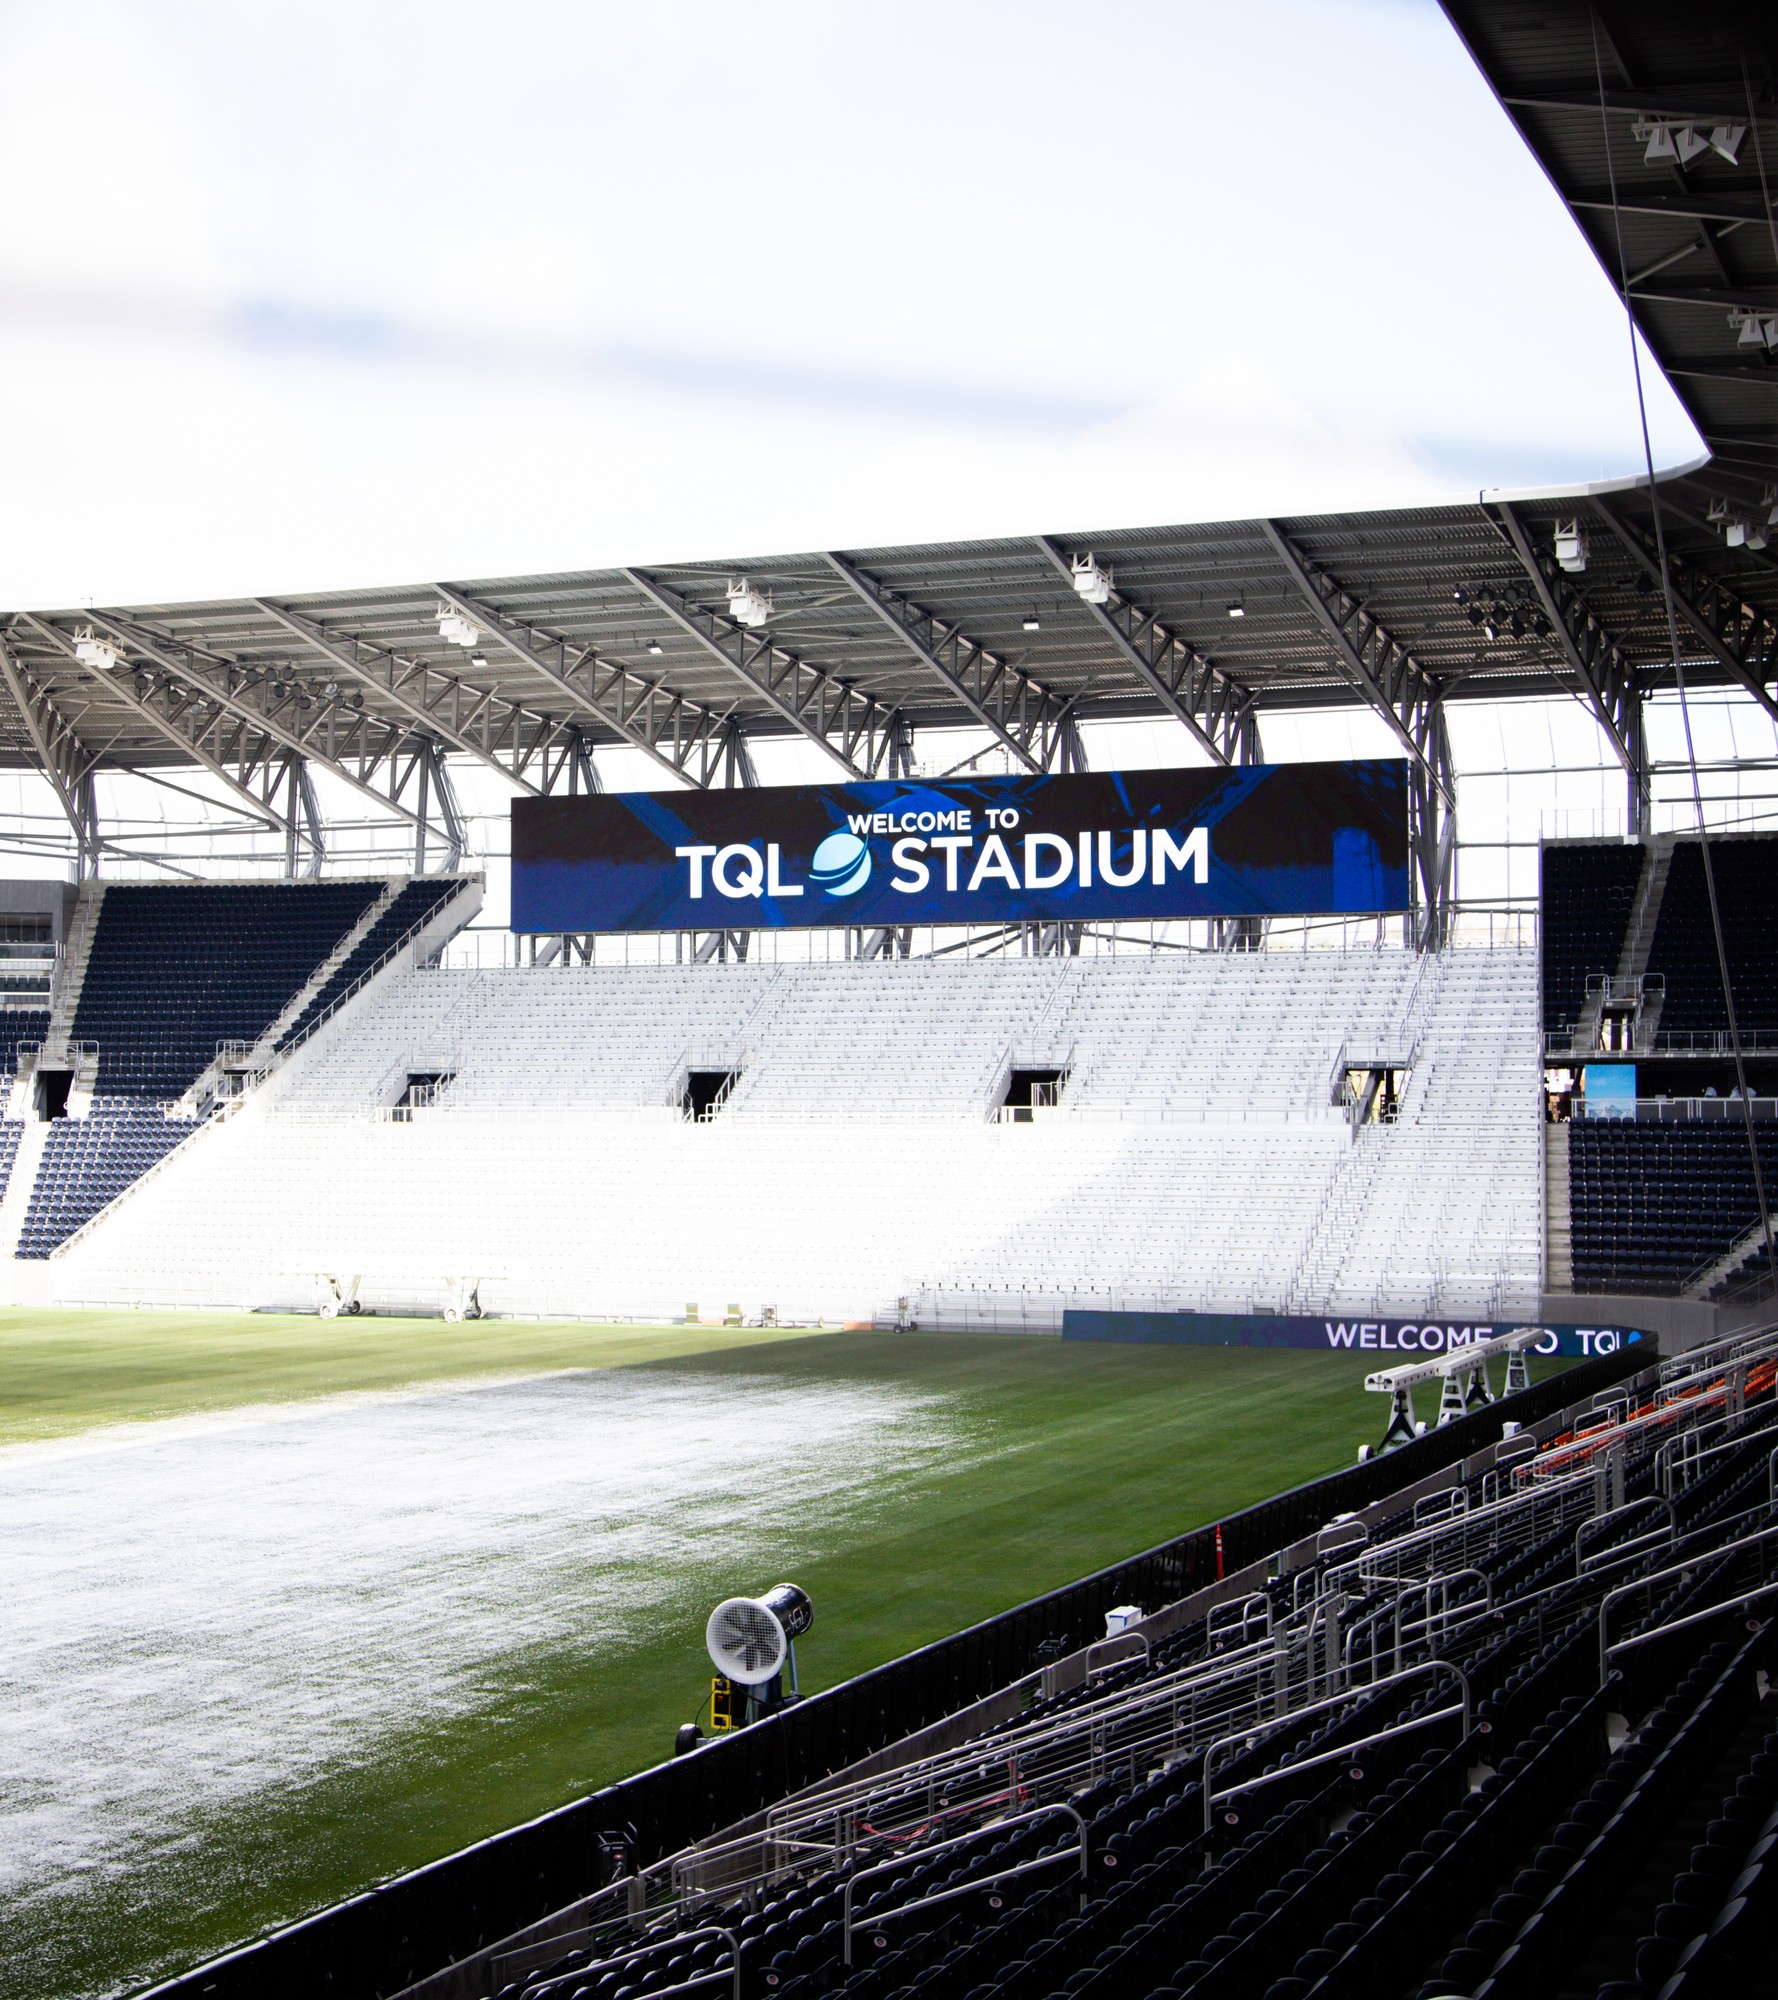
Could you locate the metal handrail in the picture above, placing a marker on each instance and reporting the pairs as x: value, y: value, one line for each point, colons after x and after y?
x: 288, y: 1048
x: 1691, y: 1618
x: 962, y: 1888
x: 1333, y: 1701
x: 1117, y: 1639
x: 1345, y: 1750
x: 682, y: 1937
x: 1628, y: 1507
x: 1665, y: 1575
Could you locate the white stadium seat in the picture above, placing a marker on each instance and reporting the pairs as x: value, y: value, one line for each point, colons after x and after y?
x: 1197, y: 1158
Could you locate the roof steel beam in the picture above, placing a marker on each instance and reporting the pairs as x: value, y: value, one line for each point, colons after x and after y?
x: 683, y: 736
x: 1592, y: 653
x: 1723, y: 103
x: 1718, y: 205
x: 196, y: 731
x: 1740, y: 636
x: 65, y: 760
x: 809, y: 698
x: 477, y: 722
x: 351, y: 744
x: 1016, y: 710
x: 1194, y: 691
x: 1377, y: 664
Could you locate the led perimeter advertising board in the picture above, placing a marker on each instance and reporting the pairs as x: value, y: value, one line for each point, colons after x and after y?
x: 1256, y: 840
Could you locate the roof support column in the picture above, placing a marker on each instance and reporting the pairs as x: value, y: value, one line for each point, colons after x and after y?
x: 304, y: 826
x: 438, y: 798
x: 1432, y: 832
x: 1242, y: 933
x: 86, y: 827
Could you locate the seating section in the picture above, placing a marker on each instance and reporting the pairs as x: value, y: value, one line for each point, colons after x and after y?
x: 1683, y: 951
x: 414, y: 905
x: 174, y: 970
x: 1651, y: 1205
x: 1588, y: 891
x: 88, y: 1162
x: 1198, y: 1157
x: 11, y: 1131
x: 1296, y: 1796
x: 19, y: 1024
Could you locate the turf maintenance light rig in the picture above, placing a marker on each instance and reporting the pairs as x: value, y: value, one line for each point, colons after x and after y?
x: 1456, y: 1396
x: 751, y: 1642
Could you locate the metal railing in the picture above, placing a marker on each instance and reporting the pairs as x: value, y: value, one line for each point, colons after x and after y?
x: 1212, y: 1799
x: 1688, y: 1569
x: 970, y: 1888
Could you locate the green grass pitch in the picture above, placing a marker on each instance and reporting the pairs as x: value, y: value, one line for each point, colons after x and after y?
x: 1078, y: 1455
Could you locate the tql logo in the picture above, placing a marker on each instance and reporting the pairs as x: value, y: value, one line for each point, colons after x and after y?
x: 840, y: 865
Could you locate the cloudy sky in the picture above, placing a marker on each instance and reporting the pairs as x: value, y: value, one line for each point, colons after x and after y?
x: 303, y: 297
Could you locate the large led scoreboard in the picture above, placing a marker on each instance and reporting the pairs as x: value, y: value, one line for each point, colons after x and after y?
x: 1116, y: 846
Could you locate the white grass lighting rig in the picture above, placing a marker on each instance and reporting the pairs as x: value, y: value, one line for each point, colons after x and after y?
x: 1456, y: 1396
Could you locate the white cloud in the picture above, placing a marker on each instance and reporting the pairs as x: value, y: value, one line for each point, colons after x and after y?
x: 348, y: 294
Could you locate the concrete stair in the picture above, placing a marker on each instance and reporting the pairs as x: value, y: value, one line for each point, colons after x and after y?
x: 1558, y: 1217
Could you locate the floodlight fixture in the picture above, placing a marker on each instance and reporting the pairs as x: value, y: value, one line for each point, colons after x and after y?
x: 1459, y: 595
x: 92, y: 651
x: 1672, y: 143
x: 478, y: 660
x: 1091, y: 582
x: 748, y: 606
x: 1032, y: 622
x: 656, y: 648
x: 1571, y: 546
x: 456, y: 630
x: 1237, y: 607
x: 1490, y: 627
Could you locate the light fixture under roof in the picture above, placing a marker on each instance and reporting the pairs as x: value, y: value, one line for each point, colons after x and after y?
x: 1571, y: 546
x: 748, y: 606
x: 1032, y: 622
x: 656, y: 648
x: 1754, y: 329
x: 456, y: 630
x: 478, y: 660
x: 1091, y: 581
x: 92, y: 651
x: 1237, y: 607
x: 1671, y: 142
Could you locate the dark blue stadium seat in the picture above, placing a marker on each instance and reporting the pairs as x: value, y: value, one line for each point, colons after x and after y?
x: 1588, y: 891
x: 175, y: 970
x: 417, y: 903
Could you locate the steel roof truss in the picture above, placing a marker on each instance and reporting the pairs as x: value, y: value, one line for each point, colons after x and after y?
x: 809, y: 698
x: 169, y: 711
x: 472, y: 720
x: 1194, y: 690
x: 1378, y: 665
x: 1738, y: 634
x: 682, y: 736
x: 1593, y: 657
x: 1016, y: 710
x: 64, y: 759
x: 352, y: 744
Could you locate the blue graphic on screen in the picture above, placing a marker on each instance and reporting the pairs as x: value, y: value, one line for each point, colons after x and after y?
x: 1254, y: 840
x: 840, y: 865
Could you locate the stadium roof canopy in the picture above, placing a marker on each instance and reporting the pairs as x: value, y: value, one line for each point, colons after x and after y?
x: 1401, y: 611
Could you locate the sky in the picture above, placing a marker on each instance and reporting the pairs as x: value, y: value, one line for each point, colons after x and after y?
x: 305, y: 298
